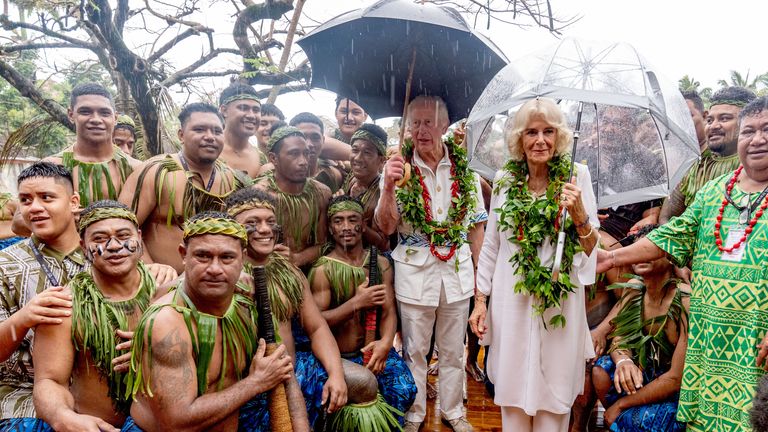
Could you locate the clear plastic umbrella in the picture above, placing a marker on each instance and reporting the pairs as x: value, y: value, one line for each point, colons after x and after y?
x: 637, y: 136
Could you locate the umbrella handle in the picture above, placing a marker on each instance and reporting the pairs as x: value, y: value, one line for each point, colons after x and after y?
x: 557, y: 263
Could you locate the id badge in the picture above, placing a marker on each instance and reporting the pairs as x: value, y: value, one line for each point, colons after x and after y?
x: 735, y: 233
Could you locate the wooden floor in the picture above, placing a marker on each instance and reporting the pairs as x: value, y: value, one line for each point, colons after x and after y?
x: 481, y: 412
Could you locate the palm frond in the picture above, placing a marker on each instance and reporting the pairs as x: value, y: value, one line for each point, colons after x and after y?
x: 28, y: 137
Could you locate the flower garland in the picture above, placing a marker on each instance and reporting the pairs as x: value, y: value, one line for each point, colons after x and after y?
x: 416, y: 201
x: 531, y: 221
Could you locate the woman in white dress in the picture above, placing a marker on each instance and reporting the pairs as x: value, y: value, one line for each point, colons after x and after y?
x: 537, y: 329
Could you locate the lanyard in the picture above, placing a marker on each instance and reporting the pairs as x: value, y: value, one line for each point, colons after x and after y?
x: 186, y: 169
x: 746, y: 211
x: 47, y: 270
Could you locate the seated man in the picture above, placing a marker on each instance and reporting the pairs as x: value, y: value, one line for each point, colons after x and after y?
x: 301, y: 200
x: 340, y: 288
x: 639, y: 381
x: 369, y: 147
x: 195, y: 358
x: 77, y: 386
x: 292, y: 303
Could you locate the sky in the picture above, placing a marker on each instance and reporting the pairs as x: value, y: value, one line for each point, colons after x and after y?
x: 678, y: 37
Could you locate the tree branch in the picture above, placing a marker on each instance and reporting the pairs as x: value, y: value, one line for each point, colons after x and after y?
x: 264, y: 93
x: 121, y: 15
x: 302, y: 72
x: 171, y: 43
x: 33, y: 46
x: 7, y: 24
x: 27, y: 89
x: 271, y: 9
x: 178, y: 75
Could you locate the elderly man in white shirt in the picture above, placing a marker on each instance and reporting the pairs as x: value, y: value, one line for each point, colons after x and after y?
x: 439, y: 215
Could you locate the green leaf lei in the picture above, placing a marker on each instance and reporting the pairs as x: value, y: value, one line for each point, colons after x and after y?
x: 648, y: 349
x: 530, y: 220
x: 415, y: 210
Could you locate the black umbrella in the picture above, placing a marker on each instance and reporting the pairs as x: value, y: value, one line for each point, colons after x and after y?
x: 366, y: 54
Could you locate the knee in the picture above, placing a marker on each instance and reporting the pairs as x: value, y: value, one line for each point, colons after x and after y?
x: 601, y: 381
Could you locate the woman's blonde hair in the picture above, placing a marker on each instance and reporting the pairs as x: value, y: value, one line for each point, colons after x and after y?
x: 551, y: 113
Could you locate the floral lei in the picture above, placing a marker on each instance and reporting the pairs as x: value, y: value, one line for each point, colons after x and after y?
x: 416, y: 201
x: 531, y: 220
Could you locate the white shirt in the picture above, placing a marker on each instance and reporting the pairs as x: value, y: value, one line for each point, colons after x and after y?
x: 419, y: 274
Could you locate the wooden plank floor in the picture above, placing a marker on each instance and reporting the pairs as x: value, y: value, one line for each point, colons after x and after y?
x: 480, y: 410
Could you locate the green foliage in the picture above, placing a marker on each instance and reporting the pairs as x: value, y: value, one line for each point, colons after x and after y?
x: 258, y: 65
x: 689, y: 83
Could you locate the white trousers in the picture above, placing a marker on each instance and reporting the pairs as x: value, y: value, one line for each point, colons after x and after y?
x: 516, y: 420
x: 450, y: 322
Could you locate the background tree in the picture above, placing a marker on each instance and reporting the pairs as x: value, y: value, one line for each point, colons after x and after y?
x: 688, y: 83
x: 147, y: 49
x: 758, y: 84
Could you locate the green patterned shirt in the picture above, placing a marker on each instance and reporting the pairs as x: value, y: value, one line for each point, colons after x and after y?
x: 728, y: 313
x: 21, y: 278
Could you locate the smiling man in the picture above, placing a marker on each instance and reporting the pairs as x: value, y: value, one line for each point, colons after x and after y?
x: 301, y: 200
x: 168, y: 189
x: 369, y: 146
x: 723, y: 233
x: 80, y: 373
x: 99, y: 167
x: 240, y: 106
x: 722, y: 132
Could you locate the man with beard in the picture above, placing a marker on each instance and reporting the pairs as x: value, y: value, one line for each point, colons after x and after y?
x: 168, y: 189
x: 239, y: 105
x: 723, y: 232
x: 301, y: 326
x: 99, y: 167
x: 340, y: 288
x: 369, y: 148
x: 31, y: 275
x: 722, y: 131
x: 301, y: 200
x: 327, y: 171
x: 196, y: 358
x: 79, y: 375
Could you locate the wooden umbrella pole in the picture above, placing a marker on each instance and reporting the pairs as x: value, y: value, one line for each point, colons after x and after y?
x: 404, y: 119
x: 407, y: 97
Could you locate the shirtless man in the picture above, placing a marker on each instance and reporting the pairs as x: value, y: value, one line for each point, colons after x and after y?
x: 301, y: 200
x: 98, y: 167
x: 168, y: 189
x: 369, y: 148
x: 329, y: 172
x: 239, y: 105
x: 177, y: 389
x: 292, y: 305
x: 77, y: 385
x: 339, y: 284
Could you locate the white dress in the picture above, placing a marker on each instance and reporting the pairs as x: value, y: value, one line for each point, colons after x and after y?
x: 534, y: 368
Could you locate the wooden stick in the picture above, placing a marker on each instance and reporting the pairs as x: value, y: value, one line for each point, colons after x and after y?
x: 407, y: 97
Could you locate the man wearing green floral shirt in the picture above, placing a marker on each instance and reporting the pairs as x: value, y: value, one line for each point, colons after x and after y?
x: 725, y: 235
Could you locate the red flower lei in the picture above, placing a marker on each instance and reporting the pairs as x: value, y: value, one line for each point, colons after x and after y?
x: 460, y: 213
x: 750, y: 227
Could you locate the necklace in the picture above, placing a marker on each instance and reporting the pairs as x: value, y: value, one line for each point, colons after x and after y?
x: 416, y: 202
x: 184, y: 165
x: 750, y: 226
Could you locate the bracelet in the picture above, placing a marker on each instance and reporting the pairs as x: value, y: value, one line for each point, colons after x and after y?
x: 581, y: 225
x: 589, y: 234
x: 623, y: 360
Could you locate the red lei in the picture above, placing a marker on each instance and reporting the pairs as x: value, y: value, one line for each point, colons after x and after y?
x: 750, y: 226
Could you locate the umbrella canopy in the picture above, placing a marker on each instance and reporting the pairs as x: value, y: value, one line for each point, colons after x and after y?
x: 365, y: 54
x: 637, y: 136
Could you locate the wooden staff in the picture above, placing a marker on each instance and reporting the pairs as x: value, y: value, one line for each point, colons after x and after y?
x: 404, y: 118
x: 279, y: 413
x: 372, y: 314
